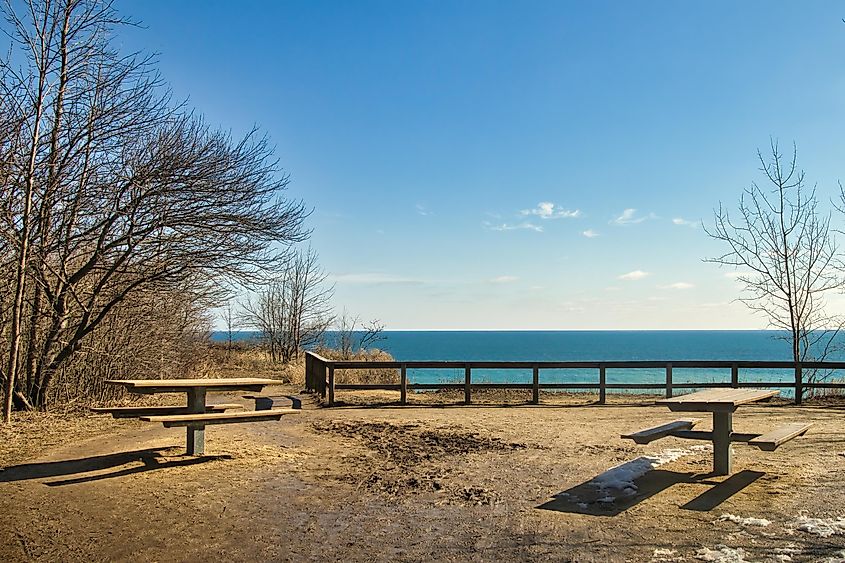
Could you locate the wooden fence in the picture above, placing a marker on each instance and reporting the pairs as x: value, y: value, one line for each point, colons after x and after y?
x: 320, y: 376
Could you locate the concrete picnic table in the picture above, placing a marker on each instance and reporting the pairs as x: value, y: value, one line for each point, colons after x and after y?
x: 196, y: 415
x: 722, y: 403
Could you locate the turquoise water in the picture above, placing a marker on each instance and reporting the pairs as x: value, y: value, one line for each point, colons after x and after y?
x: 585, y: 346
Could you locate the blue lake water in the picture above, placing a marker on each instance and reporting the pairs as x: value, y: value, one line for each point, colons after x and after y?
x: 669, y: 345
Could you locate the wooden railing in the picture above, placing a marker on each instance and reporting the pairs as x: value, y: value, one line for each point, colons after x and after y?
x: 320, y: 376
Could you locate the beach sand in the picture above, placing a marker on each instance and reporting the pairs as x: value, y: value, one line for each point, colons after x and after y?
x: 372, y: 481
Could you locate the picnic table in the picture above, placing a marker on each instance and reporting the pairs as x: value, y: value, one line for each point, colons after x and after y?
x: 196, y: 414
x: 722, y: 403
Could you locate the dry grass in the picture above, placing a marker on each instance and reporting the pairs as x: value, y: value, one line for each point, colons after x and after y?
x: 354, y: 376
x: 31, y: 433
x: 822, y: 393
x: 253, y: 361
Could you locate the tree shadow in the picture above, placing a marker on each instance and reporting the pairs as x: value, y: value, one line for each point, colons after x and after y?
x: 596, y: 498
x: 150, y: 459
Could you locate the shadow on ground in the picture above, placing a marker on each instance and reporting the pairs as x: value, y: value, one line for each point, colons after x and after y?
x: 596, y: 498
x: 149, y: 459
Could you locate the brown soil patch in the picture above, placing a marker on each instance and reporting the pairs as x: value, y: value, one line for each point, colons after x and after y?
x: 408, y: 458
x: 498, y: 480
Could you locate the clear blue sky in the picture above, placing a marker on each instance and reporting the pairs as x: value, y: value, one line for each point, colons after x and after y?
x: 426, y: 136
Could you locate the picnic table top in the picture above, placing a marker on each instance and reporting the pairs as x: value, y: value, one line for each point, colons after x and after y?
x: 167, y: 385
x: 717, y: 399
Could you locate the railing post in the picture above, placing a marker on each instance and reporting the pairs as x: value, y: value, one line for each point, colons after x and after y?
x: 467, y: 381
x: 535, y: 385
x: 320, y: 377
x: 734, y: 376
x: 331, y: 385
x: 602, y: 385
x: 309, y: 372
x: 799, y: 384
x: 403, y: 384
x: 668, y: 381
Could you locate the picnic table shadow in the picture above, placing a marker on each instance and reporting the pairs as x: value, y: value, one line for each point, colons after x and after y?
x: 591, y: 499
x: 83, y: 470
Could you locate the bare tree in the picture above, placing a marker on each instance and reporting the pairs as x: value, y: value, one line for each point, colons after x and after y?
x: 353, y: 336
x: 110, y: 190
x: 292, y: 311
x: 229, y: 319
x: 786, y: 255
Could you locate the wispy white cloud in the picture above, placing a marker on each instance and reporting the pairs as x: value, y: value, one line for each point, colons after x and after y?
x: 635, y: 275
x: 590, y: 233
x: 504, y: 279
x: 629, y: 217
x: 422, y: 210
x: 684, y: 223
x: 677, y: 285
x: 371, y: 278
x: 525, y: 225
x: 548, y: 210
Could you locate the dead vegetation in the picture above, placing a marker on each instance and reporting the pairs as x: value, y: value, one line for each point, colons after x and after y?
x: 354, y: 376
x: 252, y: 359
x: 408, y: 459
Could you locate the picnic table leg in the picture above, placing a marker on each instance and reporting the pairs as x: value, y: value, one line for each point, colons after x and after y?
x: 722, y: 428
x: 196, y: 434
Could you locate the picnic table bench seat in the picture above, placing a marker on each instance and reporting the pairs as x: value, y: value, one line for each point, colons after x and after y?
x: 661, y: 431
x: 135, y: 412
x: 218, y: 418
x: 267, y: 402
x: 771, y: 440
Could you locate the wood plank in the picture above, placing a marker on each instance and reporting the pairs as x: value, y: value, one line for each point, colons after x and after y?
x: 770, y: 441
x: 219, y: 418
x: 267, y: 402
x: 717, y: 397
x: 133, y: 412
x: 219, y: 382
x: 709, y: 395
x: 653, y: 433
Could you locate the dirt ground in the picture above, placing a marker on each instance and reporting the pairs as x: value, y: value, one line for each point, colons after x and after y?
x: 372, y: 481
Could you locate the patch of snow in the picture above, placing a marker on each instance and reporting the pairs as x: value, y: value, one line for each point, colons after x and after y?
x: 583, y: 505
x: 744, y: 521
x: 824, y: 527
x: 661, y: 554
x: 621, y: 478
x: 606, y: 498
x: 722, y: 554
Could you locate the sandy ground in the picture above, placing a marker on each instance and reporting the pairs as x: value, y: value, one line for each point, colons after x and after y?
x: 372, y: 481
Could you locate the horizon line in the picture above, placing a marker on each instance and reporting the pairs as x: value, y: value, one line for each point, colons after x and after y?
x: 556, y: 330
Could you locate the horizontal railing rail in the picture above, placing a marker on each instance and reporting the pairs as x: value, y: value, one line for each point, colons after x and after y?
x: 320, y: 375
